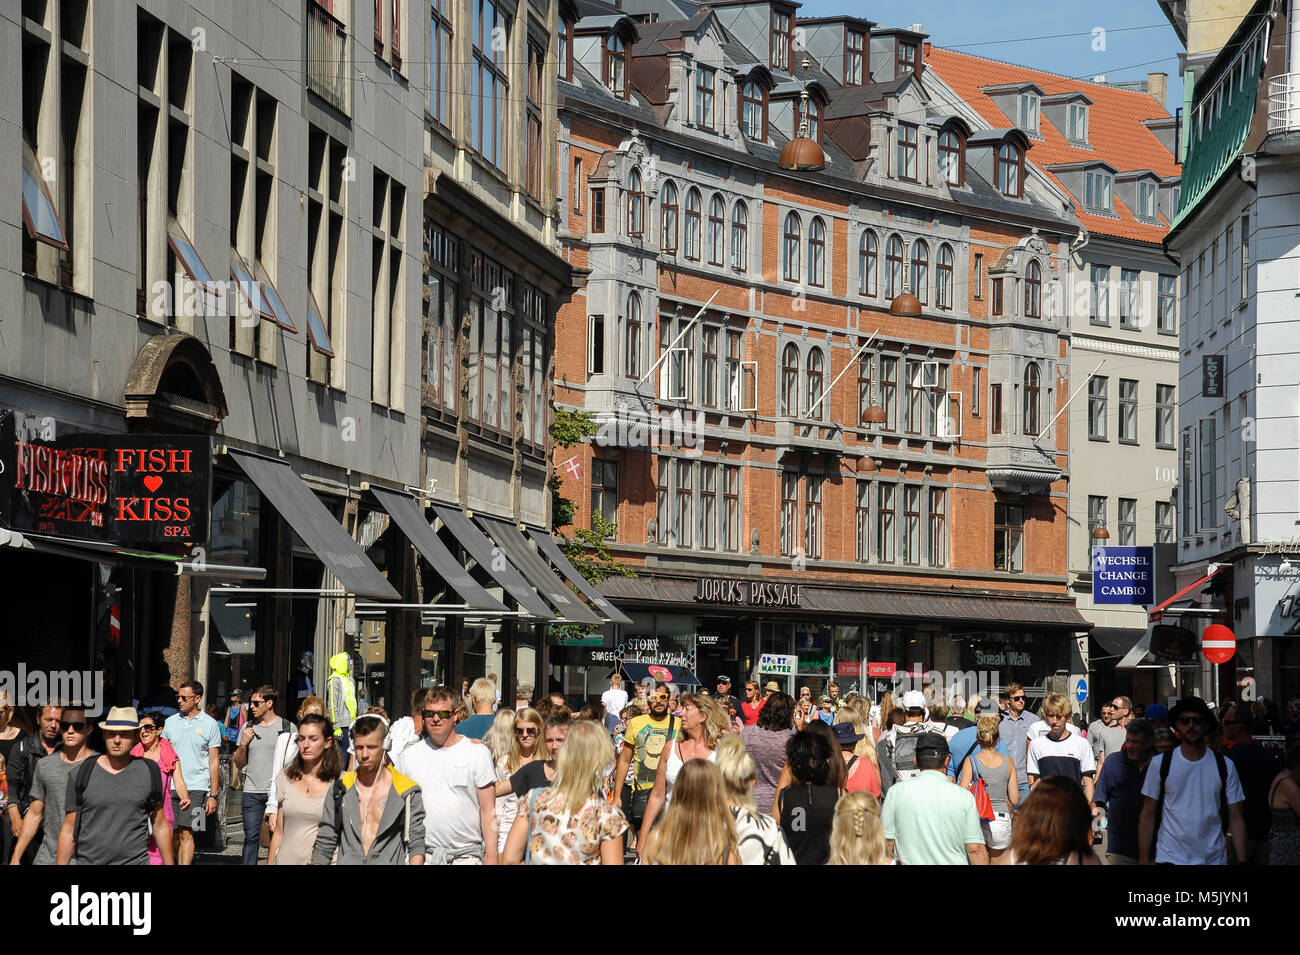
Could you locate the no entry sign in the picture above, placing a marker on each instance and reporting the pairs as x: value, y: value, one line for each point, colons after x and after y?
x: 1218, y: 643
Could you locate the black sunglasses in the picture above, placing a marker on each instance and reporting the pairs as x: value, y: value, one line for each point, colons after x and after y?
x: 77, y: 725
x: 440, y: 714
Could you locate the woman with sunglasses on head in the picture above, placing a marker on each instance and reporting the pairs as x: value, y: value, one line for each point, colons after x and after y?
x: 514, y: 739
x: 153, y: 746
x: 301, y: 791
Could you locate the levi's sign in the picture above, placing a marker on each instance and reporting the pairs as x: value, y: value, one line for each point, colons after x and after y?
x: 747, y: 593
x: 1123, y: 575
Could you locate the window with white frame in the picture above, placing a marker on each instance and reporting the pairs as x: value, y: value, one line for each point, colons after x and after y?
x: 817, y: 252
x: 1128, y: 411
x: 868, y: 264
x: 938, y: 538
x: 1208, y: 490
x: 1098, y: 188
x: 1127, y: 522
x: 1166, y: 415
x: 812, y: 538
x: 1098, y: 387
x: 705, y: 79
x: 792, y: 238
x: 1130, y: 298
x: 739, y: 237
x: 668, y: 218
x: 789, y: 514
x: 1099, y: 294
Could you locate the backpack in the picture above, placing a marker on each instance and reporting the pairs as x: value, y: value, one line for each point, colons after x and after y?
x: 902, y: 755
x: 82, y: 780
x: 1165, y: 762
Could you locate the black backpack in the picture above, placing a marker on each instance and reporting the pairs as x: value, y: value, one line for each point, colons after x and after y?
x: 1165, y: 762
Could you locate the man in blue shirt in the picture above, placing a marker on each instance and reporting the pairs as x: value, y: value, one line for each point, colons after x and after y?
x: 1119, y: 790
x: 966, y: 743
x: 1014, y: 731
x: 196, y: 737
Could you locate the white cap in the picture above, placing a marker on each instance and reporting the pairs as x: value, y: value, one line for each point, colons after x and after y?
x: 913, y: 700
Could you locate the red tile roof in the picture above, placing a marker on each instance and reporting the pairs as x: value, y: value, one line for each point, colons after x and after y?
x: 1115, y: 129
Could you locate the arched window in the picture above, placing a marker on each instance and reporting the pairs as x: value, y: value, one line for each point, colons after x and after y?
x: 717, y: 224
x: 616, y: 66
x: 868, y: 263
x: 943, y: 277
x: 1008, y: 170
x: 1033, y: 290
x: 817, y: 252
x: 1033, y: 384
x: 739, y: 237
x: 921, y: 271
x: 790, y: 381
x: 635, y: 204
x: 668, y: 218
x: 632, y: 337
x: 793, y: 237
x: 893, y: 267
x: 815, y: 382
x: 952, y: 150
x: 693, y: 225
x: 752, y: 113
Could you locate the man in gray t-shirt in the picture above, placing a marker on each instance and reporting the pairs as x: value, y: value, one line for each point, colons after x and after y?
x: 256, y: 753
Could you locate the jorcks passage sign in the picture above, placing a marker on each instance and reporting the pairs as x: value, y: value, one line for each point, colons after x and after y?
x: 116, y: 488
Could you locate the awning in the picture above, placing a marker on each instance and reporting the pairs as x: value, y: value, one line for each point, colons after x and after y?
x: 1158, y: 611
x: 569, y: 605
x: 122, y: 555
x: 546, y: 544
x: 406, y: 514
x: 480, y: 548
x: 319, y: 529
x: 636, y: 672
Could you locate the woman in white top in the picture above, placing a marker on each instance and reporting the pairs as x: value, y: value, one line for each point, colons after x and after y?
x: 704, y: 722
x: 759, y: 838
x: 514, y: 739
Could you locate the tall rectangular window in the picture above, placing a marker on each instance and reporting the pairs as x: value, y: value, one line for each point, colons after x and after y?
x: 1244, y: 284
x: 731, y: 507
x: 705, y: 77
x: 709, y: 368
x: 1130, y: 302
x: 604, y: 492
x: 533, y: 154
x: 1188, y: 483
x: 885, y: 529
x: 1167, y: 302
x: 1128, y: 411
x: 598, y: 210
x: 853, y: 58
x: 1209, y: 495
x: 440, y: 53
x: 733, y: 395
x: 905, y: 152
x: 889, y: 390
x: 489, y: 86
x: 914, y: 399
x: 938, y: 541
x: 781, y: 23
x: 1096, y: 516
x: 708, y: 505
x: 863, y: 523
x: 997, y: 297
x: 1008, y: 538
x: 1099, y: 294
x: 685, y: 524
x: 1164, y: 522
x: 906, y: 61
x: 911, y: 524
x: 976, y: 390
x: 1166, y: 416
x: 995, y: 409
x: 663, y: 517
x: 977, y: 280
x: 1128, y: 533
x: 1098, y: 388
x: 789, y: 513
x: 812, y: 538
x: 596, y: 345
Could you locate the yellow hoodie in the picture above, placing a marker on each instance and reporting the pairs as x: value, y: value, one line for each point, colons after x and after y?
x: 341, y: 694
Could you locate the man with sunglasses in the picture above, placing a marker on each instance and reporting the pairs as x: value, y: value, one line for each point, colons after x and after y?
x: 1192, y: 797
x: 22, y: 763
x: 1014, y: 730
x: 257, y: 745
x: 644, y: 740
x: 196, y: 737
x: 457, y: 782
x: 45, y: 812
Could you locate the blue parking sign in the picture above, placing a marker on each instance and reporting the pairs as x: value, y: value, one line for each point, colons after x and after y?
x: 1123, y: 575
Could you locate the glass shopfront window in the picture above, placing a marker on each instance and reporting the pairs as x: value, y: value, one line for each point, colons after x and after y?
x: 847, y: 647
x: 235, y: 538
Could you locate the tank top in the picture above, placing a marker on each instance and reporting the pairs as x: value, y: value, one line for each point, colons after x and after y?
x: 675, y: 764
x: 996, y: 780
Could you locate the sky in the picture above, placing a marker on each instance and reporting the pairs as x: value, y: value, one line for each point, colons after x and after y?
x: 1119, y: 39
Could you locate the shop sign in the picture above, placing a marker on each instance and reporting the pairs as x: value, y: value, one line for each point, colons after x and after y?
x: 1003, y: 658
x: 706, y: 639
x: 748, y: 593
x: 1123, y: 575
x: 848, y: 669
x: 117, y: 488
x: 784, y: 664
x: 1211, y: 376
x: 882, y: 669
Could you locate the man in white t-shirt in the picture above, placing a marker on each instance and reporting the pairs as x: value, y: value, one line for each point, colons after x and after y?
x: 1193, y: 797
x: 457, y: 780
x: 615, y: 698
x: 1058, y: 752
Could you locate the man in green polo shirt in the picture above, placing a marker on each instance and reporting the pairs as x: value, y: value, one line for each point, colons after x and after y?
x: 929, y: 819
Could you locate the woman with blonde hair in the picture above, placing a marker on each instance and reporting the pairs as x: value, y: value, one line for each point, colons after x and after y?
x: 759, y: 840
x: 697, y: 828
x: 888, y: 703
x: 570, y: 822
x: 999, y: 775
x: 704, y: 723
x: 857, y: 836
x: 500, y: 740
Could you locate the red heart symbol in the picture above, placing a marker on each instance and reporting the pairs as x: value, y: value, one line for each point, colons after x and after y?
x: 153, y: 482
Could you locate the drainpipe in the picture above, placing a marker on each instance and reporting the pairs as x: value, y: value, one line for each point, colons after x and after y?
x: 1243, y: 502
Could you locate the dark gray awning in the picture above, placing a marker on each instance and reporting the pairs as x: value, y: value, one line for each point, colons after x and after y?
x: 406, y: 513
x: 569, y: 604
x: 546, y: 544
x: 501, y: 570
x: 317, y: 527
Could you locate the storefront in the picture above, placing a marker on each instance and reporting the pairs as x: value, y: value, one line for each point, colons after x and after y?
x: 799, y: 634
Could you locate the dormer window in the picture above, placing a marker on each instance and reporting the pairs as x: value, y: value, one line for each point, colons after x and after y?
x: 1008, y: 170
x: 705, y: 79
x: 1078, y: 123
x: 952, y: 148
x: 752, y: 114
x: 814, y: 120
x: 1146, y: 207
x: 905, y: 152
x: 906, y: 60
x: 616, y: 66
x: 782, y: 41
x: 1098, y: 188
x: 854, y: 58
x: 1028, y: 112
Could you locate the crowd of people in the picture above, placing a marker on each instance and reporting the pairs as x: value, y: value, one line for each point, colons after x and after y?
x: 657, y: 775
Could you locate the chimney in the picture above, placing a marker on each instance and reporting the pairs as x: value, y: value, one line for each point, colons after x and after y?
x: 1158, y: 87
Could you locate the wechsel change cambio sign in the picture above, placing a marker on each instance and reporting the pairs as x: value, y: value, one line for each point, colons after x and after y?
x: 1123, y: 575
